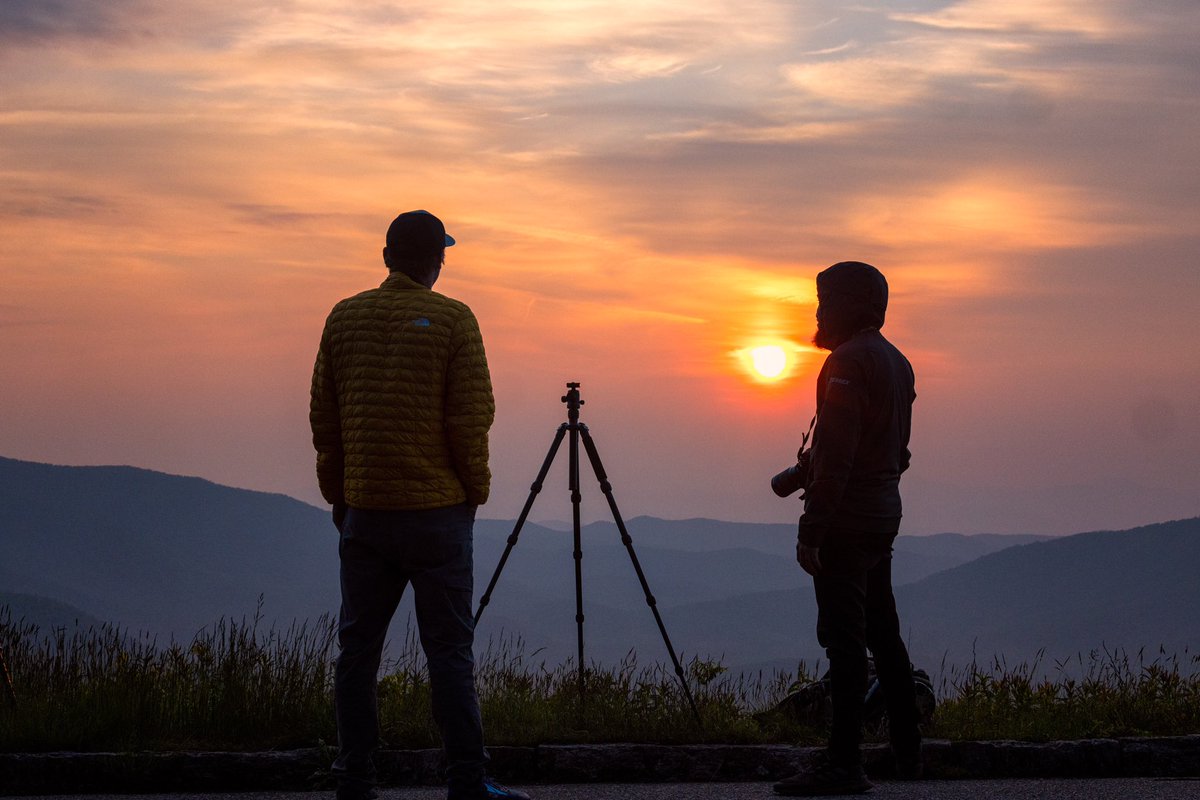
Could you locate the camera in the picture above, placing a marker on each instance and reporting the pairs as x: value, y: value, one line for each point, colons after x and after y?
x: 793, y: 478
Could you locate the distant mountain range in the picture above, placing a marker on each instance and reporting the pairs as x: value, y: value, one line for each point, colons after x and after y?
x: 1058, y: 600
x: 170, y: 555
x: 44, y: 613
x: 161, y: 553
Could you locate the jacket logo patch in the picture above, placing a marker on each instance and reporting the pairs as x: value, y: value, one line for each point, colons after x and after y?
x: 841, y: 381
x: 421, y: 322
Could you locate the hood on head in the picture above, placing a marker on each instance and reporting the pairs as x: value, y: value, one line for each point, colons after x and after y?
x: 852, y: 295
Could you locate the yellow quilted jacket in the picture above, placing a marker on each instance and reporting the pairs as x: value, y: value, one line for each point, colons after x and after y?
x: 402, y: 401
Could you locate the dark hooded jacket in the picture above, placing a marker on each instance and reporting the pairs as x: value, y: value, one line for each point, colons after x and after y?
x: 864, y: 412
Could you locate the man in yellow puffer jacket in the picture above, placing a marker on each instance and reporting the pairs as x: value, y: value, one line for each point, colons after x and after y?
x: 400, y: 412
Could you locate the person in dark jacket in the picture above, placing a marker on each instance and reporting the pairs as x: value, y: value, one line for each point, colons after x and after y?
x: 865, y: 393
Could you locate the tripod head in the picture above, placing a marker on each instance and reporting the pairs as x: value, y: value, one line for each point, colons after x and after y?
x: 571, y: 398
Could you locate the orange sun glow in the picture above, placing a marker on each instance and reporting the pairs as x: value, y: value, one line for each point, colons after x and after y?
x: 770, y: 361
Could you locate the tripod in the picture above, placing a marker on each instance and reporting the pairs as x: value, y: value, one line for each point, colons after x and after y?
x: 579, y: 430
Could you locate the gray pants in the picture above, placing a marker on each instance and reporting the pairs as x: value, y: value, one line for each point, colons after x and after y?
x: 381, y: 553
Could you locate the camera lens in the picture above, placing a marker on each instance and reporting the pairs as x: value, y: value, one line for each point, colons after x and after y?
x: 788, y: 481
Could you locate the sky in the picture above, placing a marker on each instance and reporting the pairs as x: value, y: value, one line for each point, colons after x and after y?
x: 642, y: 193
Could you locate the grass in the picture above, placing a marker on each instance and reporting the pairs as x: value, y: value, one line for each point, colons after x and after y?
x: 1106, y: 694
x: 524, y: 702
x: 235, y: 686
x: 103, y: 689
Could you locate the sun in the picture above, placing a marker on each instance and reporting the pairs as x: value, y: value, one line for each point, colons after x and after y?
x: 769, y: 361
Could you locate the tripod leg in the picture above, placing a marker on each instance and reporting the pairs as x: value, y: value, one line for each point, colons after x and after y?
x: 512, y: 539
x: 627, y: 540
x: 576, y: 496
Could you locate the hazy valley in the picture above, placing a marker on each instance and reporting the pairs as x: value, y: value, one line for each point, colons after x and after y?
x: 169, y: 555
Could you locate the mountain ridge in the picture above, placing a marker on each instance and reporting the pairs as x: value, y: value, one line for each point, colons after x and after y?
x: 172, y: 554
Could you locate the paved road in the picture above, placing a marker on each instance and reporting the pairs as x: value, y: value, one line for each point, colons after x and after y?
x: 1092, y: 789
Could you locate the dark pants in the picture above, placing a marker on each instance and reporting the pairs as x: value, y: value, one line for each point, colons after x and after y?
x: 381, y: 553
x: 856, y: 610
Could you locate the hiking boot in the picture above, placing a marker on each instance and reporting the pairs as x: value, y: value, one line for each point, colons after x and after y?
x: 824, y: 778
x: 493, y: 791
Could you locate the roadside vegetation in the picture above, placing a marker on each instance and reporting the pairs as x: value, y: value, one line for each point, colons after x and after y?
x: 1105, y: 694
x: 235, y: 686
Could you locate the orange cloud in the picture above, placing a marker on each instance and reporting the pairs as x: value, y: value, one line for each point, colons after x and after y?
x: 992, y: 212
x: 641, y: 192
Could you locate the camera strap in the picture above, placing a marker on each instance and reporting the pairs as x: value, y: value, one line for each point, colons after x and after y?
x: 804, y: 439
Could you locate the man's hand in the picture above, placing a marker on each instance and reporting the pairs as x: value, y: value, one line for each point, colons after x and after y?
x: 809, y: 558
x: 339, y: 515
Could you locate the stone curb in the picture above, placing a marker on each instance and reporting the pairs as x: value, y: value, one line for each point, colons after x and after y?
x: 80, y: 773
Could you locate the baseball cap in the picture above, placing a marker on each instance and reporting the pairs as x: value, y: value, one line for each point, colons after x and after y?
x: 417, y: 233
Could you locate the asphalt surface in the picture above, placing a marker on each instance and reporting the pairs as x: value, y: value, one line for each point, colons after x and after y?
x: 1033, y: 789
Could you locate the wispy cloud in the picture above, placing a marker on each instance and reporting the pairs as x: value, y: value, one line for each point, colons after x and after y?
x: 37, y: 22
x: 279, y: 216
x: 1075, y: 17
x: 58, y: 206
x: 639, y: 188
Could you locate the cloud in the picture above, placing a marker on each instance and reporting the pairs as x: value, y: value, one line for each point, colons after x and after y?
x: 56, y: 206
x: 26, y: 22
x: 641, y: 189
x: 995, y: 211
x: 278, y: 216
x: 35, y: 24
x: 634, y: 65
x: 1076, y: 17
x: 540, y: 46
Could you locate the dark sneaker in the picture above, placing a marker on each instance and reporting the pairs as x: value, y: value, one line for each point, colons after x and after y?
x: 825, y: 778
x: 494, y: 791
x: 908, y: 760
x: 357, y: 794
